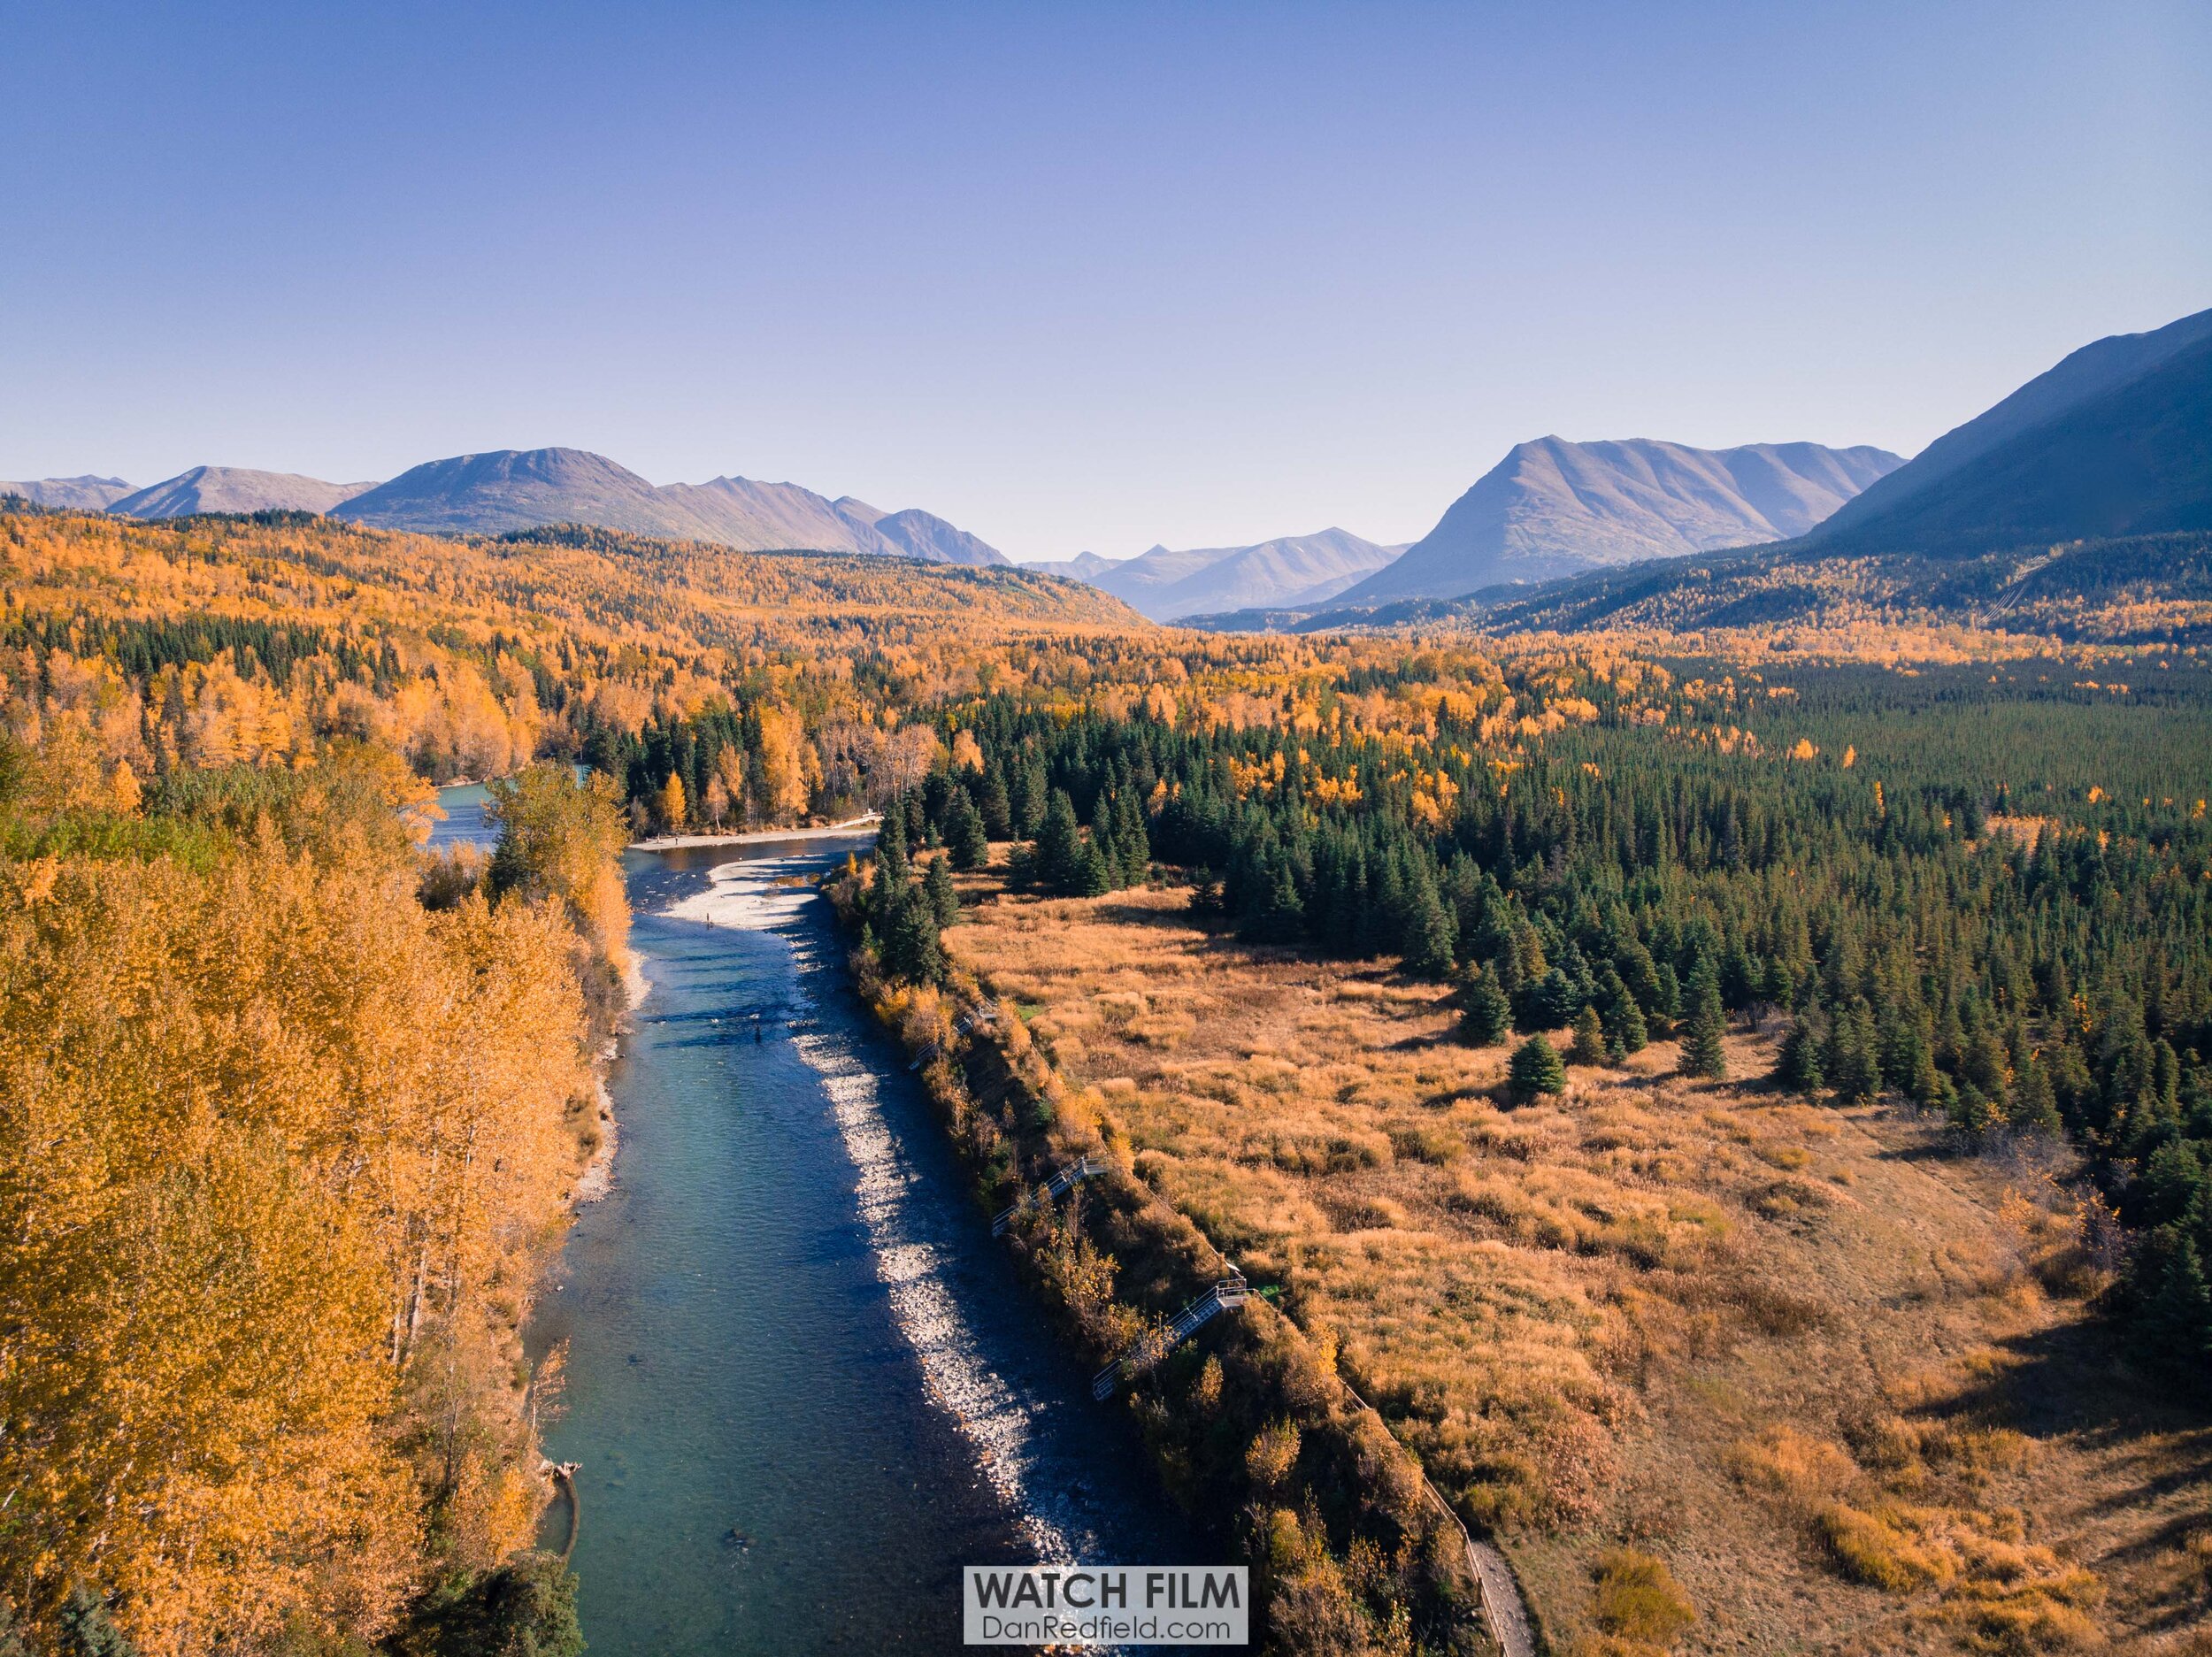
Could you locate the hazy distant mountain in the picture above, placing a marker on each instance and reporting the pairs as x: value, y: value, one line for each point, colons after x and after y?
x: 1082, y: 567
x: 1551, y: 508
x: 1290, y: 569
x: 87, y: 494
x: 2080, y: 506
x: 506, y: 489
x: 2116, y: 441
x: 2096, y: 369
x: 924, y: 535
x: 232, y: 489
x: 510, y: 489
x: 761, y: 516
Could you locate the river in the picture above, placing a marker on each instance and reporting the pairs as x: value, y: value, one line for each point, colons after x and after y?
x: 804, y: 1385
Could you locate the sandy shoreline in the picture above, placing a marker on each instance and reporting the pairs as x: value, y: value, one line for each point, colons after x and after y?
x: 598, y: 1176
x: 852, y: 828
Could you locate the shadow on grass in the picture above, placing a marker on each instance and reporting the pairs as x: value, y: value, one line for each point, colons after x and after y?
x: 2072, y: 1381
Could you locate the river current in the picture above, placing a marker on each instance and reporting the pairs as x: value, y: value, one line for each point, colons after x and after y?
x: 804, y: 1385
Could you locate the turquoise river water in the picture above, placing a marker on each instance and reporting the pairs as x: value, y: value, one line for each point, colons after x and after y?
x: 804, y: 1385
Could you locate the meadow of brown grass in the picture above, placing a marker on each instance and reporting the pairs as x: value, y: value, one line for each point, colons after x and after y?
x: 1725, y: 1370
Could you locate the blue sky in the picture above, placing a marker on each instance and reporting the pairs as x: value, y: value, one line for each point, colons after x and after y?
x: 1072, y: 276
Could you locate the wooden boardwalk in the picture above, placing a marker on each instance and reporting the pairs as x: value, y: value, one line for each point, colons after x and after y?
x: 1226, y: 1295
x: 1050, y: 1190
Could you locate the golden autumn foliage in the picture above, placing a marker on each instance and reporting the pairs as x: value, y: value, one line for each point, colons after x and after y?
x: 281, y: 1151
x: 209, y: 642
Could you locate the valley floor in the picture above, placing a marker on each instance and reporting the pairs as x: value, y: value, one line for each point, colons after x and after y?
x: 1839, y: 1379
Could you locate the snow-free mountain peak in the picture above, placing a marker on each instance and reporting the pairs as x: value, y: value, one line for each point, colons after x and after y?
x: 510, y: 489
x: 1167, y: 583
x: 232, y: 489
x: 82, y: 493
x: 1552, y: 507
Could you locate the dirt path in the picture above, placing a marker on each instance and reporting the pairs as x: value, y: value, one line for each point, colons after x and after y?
x: 1501, y: 1601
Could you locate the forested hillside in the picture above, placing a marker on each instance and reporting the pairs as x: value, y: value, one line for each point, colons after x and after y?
x: 1568, y: 1039
x: 2141, y: 590
x: 207, y: 642
x: 1962, y: 915
x: 290, y: 1112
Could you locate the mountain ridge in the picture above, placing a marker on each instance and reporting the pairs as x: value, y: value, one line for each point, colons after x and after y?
x: 2092, y: 520
x: 85, y: 492
x: 232, y: 489
x: 497, y: 491
x: 2082, y: 376
x: 1166, y: 584
x: 1552, y: 507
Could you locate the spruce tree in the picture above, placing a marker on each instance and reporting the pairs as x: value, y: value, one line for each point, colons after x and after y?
x: 2032, y: 1107
x: 1852, y: 1063
x: 1428, y: 939
x: 1702, y: 1051
x: 1983, y: 1063
x: 1135, y: 846
x: 524, y: 1608
x: 1535, y: 1069
x: 1622, y: 1019
x: 1797, y: 1067
x: 1589, y: 1041
x: 1484, y: 1016
x: 1280, y: 915
x: 1058, y: 860
x: 86, y: 1630
x: 1970, y: 1111
x: 2173, y: 1329
x: 996, y: 810
x: 892, y: 830
x: 1105, y: 849
x: 911, y: 947
x: 968, y: 841
x: 890, y: 880
x: 1547, y: 1003
x: 1096, y: 876
x: 944, y: 902
x: 891, y: 840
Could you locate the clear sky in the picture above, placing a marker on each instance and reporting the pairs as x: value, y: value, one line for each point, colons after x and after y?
x: 1072, y: 276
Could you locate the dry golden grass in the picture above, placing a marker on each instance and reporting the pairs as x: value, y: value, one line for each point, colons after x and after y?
x: 1814, y: 1367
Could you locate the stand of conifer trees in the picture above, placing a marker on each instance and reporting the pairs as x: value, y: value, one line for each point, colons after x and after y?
x: 1670, y: 887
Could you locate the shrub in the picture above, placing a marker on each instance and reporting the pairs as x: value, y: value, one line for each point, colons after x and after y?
x: 1639, y: 1599
x: 1792, y: 1464
x: 1884, y: 1548
x: 1272, y: 1453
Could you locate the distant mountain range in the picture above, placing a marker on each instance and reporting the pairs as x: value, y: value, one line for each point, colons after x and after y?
x: 510, y: 489
x: 2111, y: 446
x: 1551, y: 508
x: 2066, y: 508
x: 1288, y: 572
x: 232, y: 489
x: 87, y: 494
